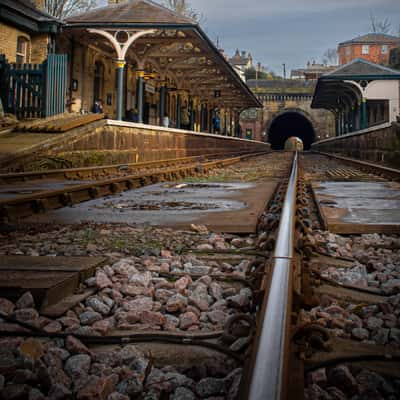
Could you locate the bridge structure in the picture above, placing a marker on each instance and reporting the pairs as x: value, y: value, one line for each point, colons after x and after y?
x: 286, y: 112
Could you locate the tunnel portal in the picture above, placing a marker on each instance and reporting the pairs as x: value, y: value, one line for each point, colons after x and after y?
x: 290, y: 124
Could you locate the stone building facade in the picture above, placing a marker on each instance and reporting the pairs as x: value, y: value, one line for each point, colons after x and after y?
x: 25, y: 31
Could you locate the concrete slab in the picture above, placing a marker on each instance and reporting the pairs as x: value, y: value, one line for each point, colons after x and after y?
x: 224, y: 207
x: 359, y: 207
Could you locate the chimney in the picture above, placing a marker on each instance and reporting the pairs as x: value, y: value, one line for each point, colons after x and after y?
x: 110, y: 2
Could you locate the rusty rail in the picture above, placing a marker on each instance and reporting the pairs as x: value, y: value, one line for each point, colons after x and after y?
x: 271, y: 350
x: 381, y: 170
x: 40, y: 202
x: 84, y: 172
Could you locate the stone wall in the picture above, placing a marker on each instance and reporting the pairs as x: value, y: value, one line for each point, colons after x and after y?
x: 125, y: 142
x: 377, y: 144
x: 107, y: 142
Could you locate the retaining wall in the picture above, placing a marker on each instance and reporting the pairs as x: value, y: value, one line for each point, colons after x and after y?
x: 111, y: 142
x: 380, y: 144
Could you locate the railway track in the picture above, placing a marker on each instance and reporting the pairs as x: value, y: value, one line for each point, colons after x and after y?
x: 105, y: 180
x: 295, y: 311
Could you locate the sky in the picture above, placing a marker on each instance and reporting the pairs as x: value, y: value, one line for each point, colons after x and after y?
x: 290, y: 31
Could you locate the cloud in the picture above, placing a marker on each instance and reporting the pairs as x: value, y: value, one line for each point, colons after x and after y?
x: 217, y: 9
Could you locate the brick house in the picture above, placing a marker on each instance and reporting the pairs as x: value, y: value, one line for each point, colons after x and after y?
x: 373, y: 47
x: 26, y: 32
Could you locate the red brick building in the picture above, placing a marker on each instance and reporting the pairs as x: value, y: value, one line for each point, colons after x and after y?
x: 374, y: 47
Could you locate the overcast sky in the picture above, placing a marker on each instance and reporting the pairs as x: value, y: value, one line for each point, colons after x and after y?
x: 290, y: 31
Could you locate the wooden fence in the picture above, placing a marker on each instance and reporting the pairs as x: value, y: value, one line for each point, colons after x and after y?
x: 34, y: 90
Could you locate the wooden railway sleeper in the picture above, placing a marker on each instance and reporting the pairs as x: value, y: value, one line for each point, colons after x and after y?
x: 65, y: 199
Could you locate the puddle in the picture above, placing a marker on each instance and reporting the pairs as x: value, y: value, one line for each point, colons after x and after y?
x: 157, y: 206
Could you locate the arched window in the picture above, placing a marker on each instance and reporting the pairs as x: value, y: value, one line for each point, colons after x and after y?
x: 22, y: 50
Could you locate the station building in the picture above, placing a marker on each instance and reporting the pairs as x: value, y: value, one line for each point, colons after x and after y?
x: 142, y: 61
x: 360, y: 94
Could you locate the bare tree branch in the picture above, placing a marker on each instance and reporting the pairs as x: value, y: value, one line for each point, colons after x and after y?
x: 330, y: 57
x: 65, y: 8
x: 183, y: 7
x: 379, y: 25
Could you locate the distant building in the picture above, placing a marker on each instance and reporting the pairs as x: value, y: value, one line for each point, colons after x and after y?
x: 312, y: 72
x: 373, y: 47
x: 241, y: 61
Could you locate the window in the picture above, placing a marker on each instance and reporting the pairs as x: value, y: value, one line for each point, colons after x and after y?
x: 348, y: 50
x: 365, y: 49
x: 22, y: 50
x: 384, y: 49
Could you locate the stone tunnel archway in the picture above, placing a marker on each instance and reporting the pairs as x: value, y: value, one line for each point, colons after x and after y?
x: 291, y: 123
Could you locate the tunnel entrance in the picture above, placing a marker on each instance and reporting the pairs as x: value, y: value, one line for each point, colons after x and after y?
x: 290, y: 124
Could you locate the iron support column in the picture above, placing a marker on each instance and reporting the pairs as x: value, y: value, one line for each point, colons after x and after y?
x: 140, y: 95
x: 225, y: 121
x: 120, y: 88
x: 163, y: 95
x: 364, y: 114
x: 192, y: 115
x: 178, y: 111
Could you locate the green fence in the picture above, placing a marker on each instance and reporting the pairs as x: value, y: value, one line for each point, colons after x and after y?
x: 34, y: 90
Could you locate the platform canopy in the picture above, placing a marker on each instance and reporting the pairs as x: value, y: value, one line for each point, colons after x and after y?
x: 345, y: 85
x: 359, y: 93
x: 171, y: 44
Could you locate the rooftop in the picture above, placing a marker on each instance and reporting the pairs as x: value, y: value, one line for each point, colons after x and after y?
x: 27, y: 9
x: 361, y: 67
x: 371, y: 38
x: 132, y: 12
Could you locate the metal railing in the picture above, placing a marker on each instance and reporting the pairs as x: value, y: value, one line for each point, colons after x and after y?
x: 266, y: 382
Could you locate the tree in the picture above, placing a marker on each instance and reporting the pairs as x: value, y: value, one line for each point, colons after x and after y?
x: 65, y: 8
x: 330, y: 57
x: 252, y: 73
x: 183, y: 7
x: 380, y: 25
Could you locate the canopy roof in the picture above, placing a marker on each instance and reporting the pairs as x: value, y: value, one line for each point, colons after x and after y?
x: 335, y: 90
x: 178, y: 46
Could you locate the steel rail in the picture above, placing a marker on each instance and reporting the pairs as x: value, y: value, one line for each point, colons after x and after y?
x: 386, y: 172
x: 81, y: 172
x: 39, y: 202
x: 267, y: 380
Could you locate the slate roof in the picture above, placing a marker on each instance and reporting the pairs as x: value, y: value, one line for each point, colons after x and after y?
x: 132, y: 12
x: 359, y: 66
x: 28, y: 9
x: 372, y: 38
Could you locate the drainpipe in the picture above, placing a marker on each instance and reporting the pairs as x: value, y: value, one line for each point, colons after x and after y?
x: 120, y: 89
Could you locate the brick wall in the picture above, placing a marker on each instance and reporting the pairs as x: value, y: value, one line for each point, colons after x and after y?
x: 379, y: 145
x: 8, y: 41
x: 348, y: 53
x: 37, y: 48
